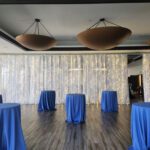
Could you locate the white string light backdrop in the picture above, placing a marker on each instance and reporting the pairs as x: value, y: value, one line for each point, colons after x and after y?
x: 22, y: 77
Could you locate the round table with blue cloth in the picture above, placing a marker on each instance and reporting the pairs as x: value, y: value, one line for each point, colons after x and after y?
x: 1, y: 99
x: 109, y: 102
x: 47, y: 101
x: 140, y: 126
x: 11, y: 134
x: 75, y: 108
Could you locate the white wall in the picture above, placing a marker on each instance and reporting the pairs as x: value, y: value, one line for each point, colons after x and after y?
x: 135, y: 68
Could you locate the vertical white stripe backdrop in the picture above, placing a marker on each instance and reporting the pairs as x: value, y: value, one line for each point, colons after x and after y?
x: 146, y: 77
x: 22, y: 77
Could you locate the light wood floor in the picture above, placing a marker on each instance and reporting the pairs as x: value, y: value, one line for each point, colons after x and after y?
x: 102, y: 131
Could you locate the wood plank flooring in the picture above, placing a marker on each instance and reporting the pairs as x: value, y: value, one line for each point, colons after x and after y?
x: 102, y: 131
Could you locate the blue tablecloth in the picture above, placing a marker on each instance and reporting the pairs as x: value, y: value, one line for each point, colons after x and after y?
x: 140, y: 126
x: 47, y: 101
x: 75, y: 108
x: 109, y: 102
x: 11, y: 135
x: 1, y: 99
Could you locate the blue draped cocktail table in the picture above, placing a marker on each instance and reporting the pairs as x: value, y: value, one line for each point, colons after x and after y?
x: 140, y: 126
x: 11, y: 135
x: 47, y: 101
x: 109, y: 102
x: 75, y: 108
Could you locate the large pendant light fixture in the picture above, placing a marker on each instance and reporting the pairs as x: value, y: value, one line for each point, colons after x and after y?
x: 102, y: 38
x: 36, y: 41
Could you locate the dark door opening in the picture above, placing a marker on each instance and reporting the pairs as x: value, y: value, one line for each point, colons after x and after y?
x: 136, y: 93
x: 135, y: 78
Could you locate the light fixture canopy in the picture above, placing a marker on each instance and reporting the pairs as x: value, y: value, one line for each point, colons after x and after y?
x: 102, y: 38
x: 36, y: 41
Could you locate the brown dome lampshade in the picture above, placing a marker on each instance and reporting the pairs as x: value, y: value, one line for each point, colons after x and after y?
x: 35, y: 41
x: 103, y: 38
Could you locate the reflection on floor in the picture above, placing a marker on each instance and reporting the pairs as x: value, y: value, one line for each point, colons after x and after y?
x: 102, y: 131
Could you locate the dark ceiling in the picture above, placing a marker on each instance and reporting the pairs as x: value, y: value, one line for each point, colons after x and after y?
x: 70, y: 1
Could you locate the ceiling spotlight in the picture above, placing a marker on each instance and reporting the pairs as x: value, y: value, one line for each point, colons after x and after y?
x: 102, y: 38
x: 36, y: 41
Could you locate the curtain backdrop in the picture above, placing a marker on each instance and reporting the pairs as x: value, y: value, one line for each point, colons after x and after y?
x: 146, y: 77
x: 22, y: 77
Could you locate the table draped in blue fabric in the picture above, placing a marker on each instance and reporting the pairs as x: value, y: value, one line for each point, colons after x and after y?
x: 47, y: 101
x: 140, y: 126
x: 109, y: 102
x: 11, y: 135
x: 1, y: 99
x: 75, y: 108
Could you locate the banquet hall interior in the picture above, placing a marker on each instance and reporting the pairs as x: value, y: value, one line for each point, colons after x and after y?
x: 74, y: 75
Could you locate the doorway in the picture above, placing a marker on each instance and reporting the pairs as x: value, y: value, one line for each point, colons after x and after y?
x: 135, y: 78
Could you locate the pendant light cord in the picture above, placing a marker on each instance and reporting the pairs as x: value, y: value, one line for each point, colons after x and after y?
x: 37, y: 27
x: 46, y: 29
x: 96, y: 24
x: 29, y: 27
x: 104, y: 21
x: 112, y: 23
